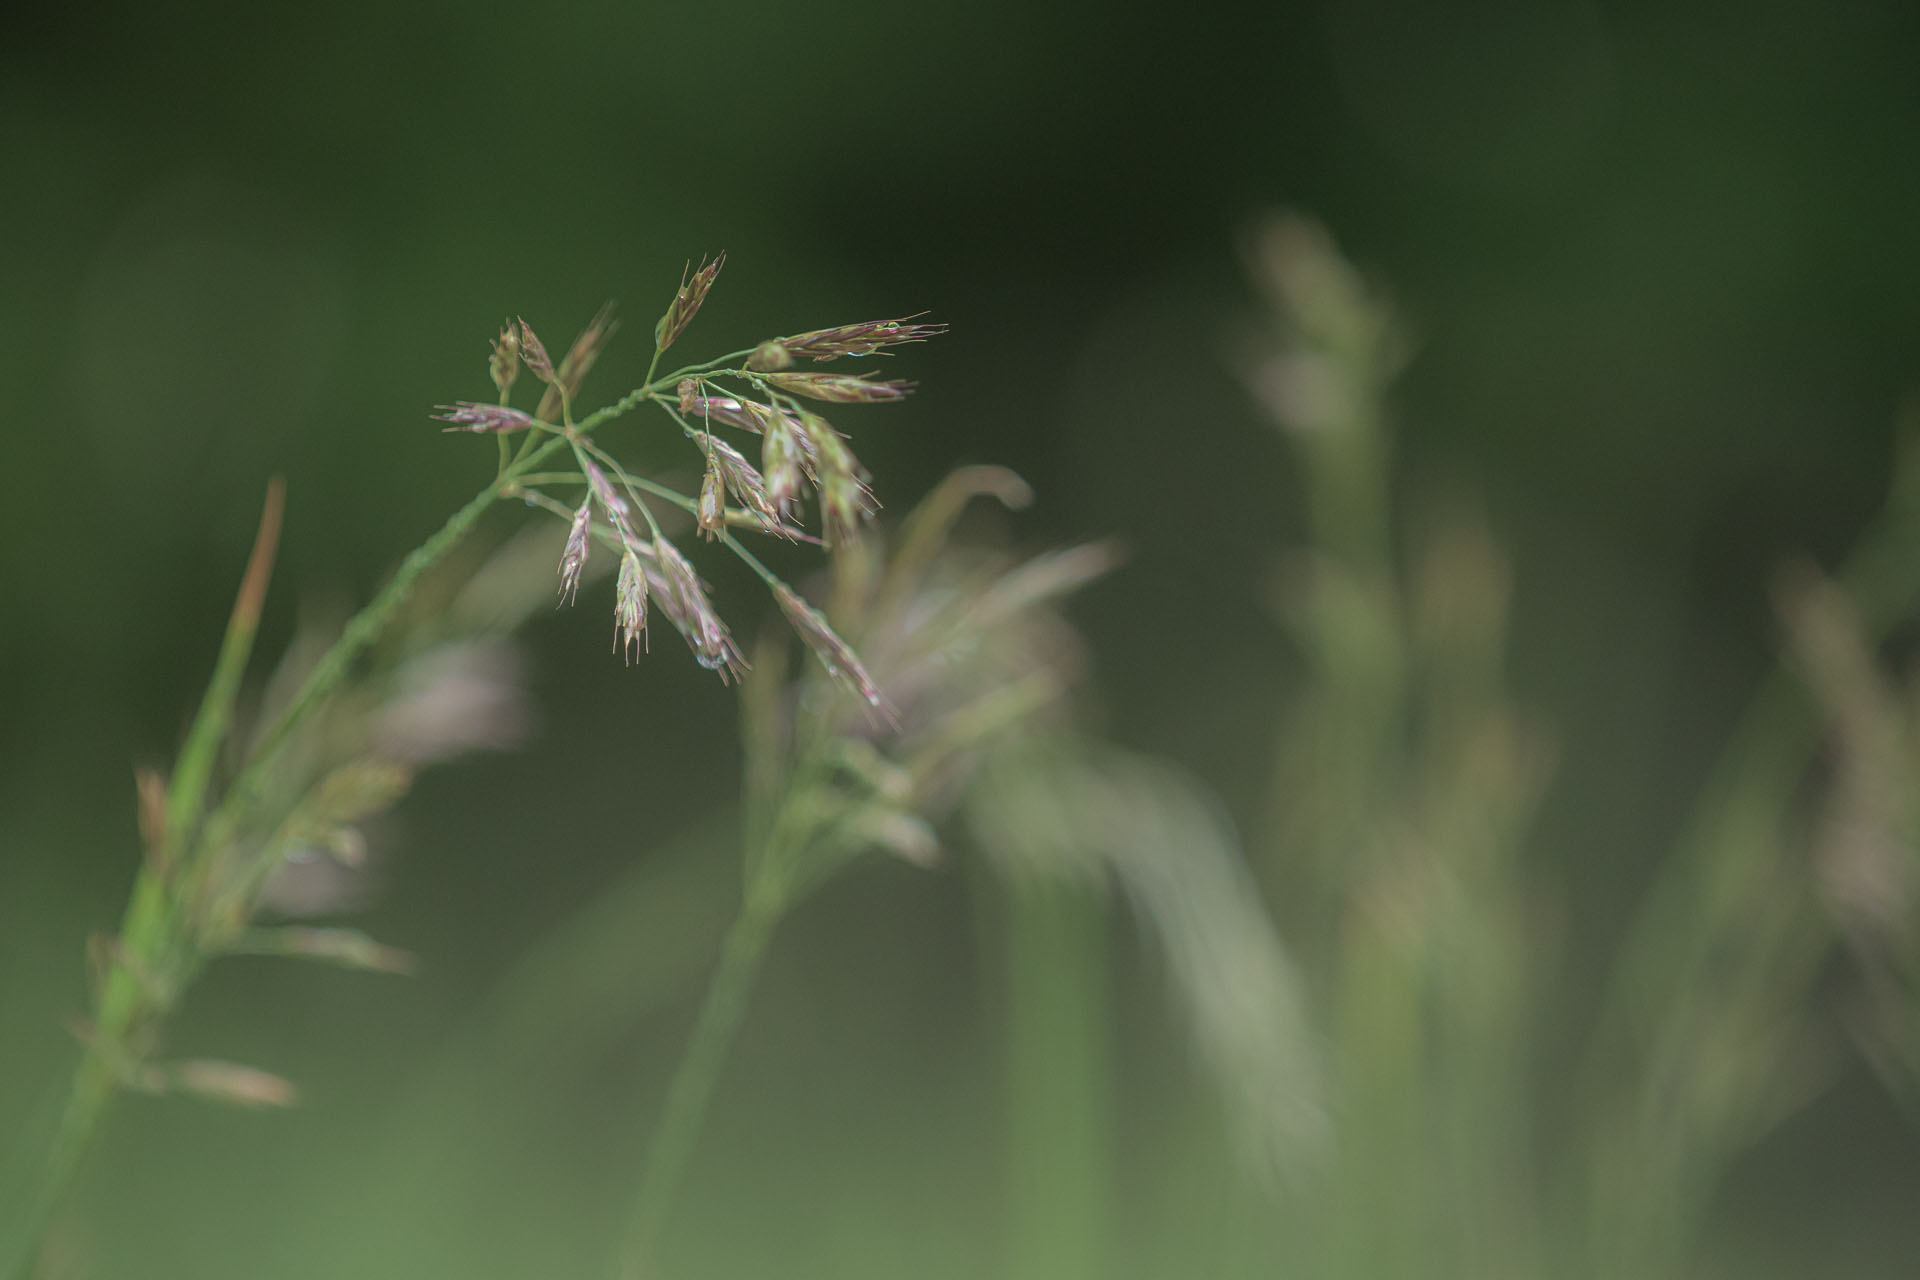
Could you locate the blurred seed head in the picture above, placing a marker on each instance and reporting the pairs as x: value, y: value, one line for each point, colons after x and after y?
x: 1338, y: 340
x: 579, y: 359
x: 947, y: 631
x: 347, y: 948
x: 227, y: 1082
x: 1313, y: 287
x: 444, y: 681
x: 770, y: 355
x: 1869, y: 836
x: 958, y: 668
x: 463, y: 696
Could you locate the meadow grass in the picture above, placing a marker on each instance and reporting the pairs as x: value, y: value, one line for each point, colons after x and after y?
x: 1367, y: 983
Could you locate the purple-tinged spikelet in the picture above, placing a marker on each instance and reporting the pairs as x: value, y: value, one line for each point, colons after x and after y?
x: 743, y: 480
x: 821, y: 345
x: 573, y: 561
x: 835, y: 654
x: 686, y: 303
x: 534, y: 353
x: 783, y: 463
x: 504, y: 363
x: 747, y: 415
x: 840, y: 388
x: 495, y: 419
x: 630, y: 605
x: 710, y: 513
x: 693, y: 614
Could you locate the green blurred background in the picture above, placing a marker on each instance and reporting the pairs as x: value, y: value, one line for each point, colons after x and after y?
x: 1661, y: 267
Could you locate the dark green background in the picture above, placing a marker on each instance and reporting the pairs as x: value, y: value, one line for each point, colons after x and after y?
x: 1660, y: 260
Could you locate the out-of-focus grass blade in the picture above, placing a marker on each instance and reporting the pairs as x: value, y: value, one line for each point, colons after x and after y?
x: 187, y: 793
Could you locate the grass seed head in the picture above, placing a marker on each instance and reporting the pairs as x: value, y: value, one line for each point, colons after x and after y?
x: 835, y: 654
x: 504, y: 364
x: 744, y: 481
x: 845, y: 504
x: 534, y: 353
x: 710, y: 514
x: 573, y: 561
x: 491, y: 419
x: 783, y: 463
x: 822, y: 345
x: 845, y: 500
x: 692, y: 614
x: 686, y: 303
x: 728, y: 412
x: 840, y: 388
x: 630, y: 605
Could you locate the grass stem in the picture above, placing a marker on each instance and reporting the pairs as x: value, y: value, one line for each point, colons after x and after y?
x: 699, y: 1071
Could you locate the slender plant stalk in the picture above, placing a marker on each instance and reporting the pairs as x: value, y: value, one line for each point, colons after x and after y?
x: 698, y: 1072
x: 1059, y: 1083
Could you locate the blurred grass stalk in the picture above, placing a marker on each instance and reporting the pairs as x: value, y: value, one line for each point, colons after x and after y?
x: 1403, y: 786
x: 1705, y: 1044
x: 146, y: 953
x: 1867, y: 837
x: 208, y: 862
x: 1402, y: 794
